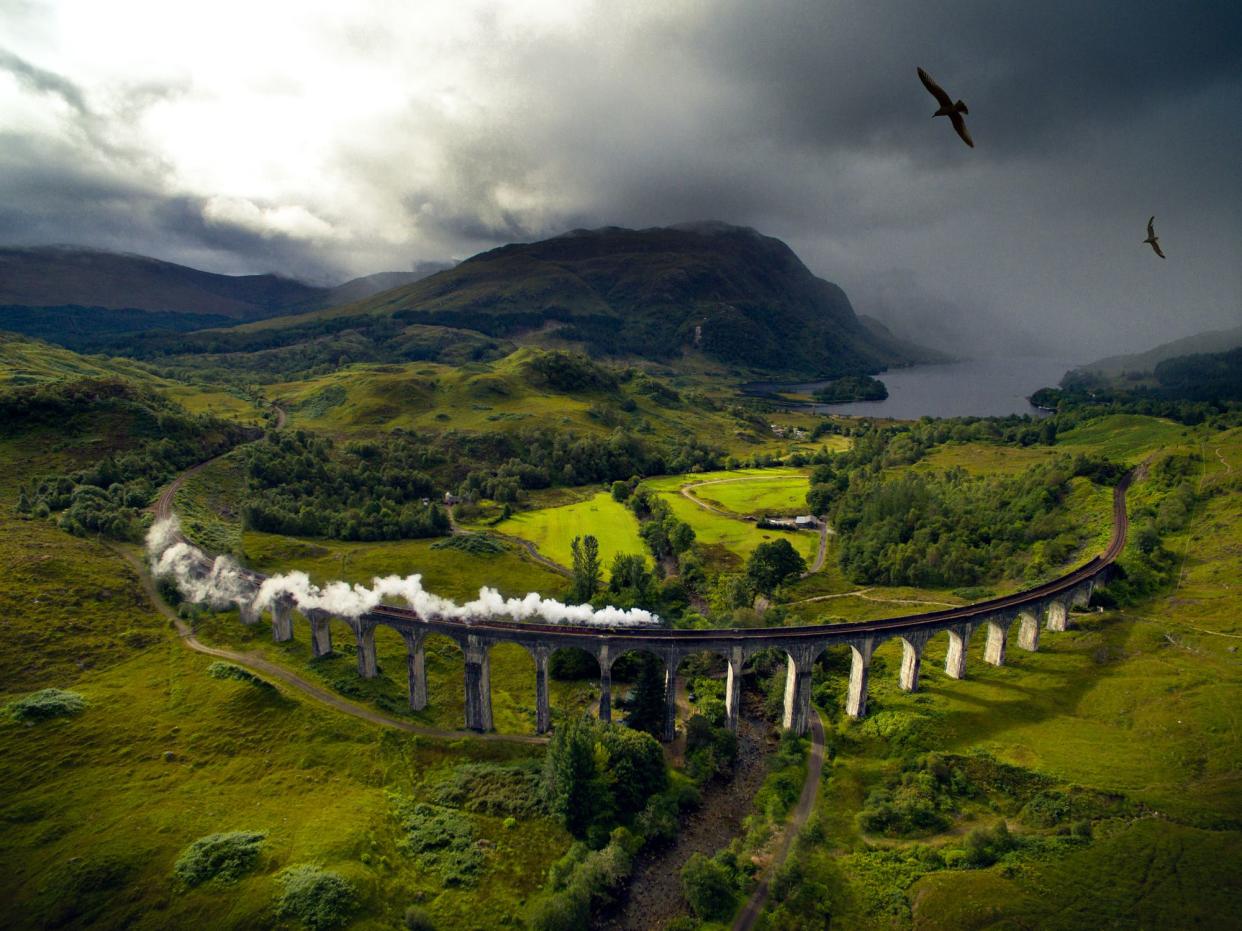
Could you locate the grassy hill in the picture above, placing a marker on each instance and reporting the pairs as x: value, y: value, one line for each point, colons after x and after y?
x: 741, y: 297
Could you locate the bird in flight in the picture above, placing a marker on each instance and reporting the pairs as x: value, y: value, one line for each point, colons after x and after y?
x: 950, y: 108
x: 1152, y: 239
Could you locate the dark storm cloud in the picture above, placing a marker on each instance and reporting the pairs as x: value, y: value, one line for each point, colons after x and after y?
x: 842, y: 75
x: 804, y: 120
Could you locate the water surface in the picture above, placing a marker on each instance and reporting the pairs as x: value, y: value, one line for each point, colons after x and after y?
x: 991, y: 387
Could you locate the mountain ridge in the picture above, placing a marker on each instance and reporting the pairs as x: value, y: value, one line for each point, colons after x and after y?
x: 731, y: 292
x: 70, y: 275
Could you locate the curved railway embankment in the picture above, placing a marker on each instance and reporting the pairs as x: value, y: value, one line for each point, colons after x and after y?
x: 1043, y: 606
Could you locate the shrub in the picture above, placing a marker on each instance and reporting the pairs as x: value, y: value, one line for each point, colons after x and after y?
x: 708, y: 888
x: 442, y: 840
x: 44, y: 704
x: 316, y: 897
x: 476, y: 544
x: 417, y: 919
x: 225, y: 857
x: 918, y: 800
x: 984, y: 846
x: 231, y: 671
x: 492, y: 789
x: 582, y: 880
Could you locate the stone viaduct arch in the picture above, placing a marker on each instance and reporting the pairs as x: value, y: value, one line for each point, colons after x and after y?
x: 1044, y: 607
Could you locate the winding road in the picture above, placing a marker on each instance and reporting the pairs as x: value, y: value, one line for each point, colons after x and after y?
x: 749, y: 914
x: 687, y: 492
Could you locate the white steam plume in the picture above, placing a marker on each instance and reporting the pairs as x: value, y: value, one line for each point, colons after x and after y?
x: 222, y: 582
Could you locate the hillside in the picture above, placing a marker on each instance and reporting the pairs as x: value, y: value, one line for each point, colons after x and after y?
x: 88, y: 299
x: 1209, y: 341
x: 738, y: 296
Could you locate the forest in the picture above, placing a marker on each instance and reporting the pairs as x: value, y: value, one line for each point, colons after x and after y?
x: 152, y: 439
x: 305, y: 485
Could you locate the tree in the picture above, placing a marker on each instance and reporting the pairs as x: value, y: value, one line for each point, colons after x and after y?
x: 629, y: 574
x: 708, y: 888
x: 587, y: 572
x: 572, y: 782
x: 620, y: 490
x: 655, y: 535
x: 647, y: 706
x: 772, y: 563
x: 682, y: 537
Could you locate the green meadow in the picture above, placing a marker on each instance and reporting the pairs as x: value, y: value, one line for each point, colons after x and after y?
x: 1135, y: 708
x: 1127, y: 437
x: 553, y: 529
x: 779, y: 494
x: 99, y: 806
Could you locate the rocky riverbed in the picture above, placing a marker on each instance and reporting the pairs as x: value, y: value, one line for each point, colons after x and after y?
x: 654, y: 895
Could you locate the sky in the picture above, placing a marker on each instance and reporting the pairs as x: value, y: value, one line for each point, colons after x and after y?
x: 323, y: 140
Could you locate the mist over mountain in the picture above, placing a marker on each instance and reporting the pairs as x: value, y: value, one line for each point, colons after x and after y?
x: 957, y: 327
x: 730, y: 292
x: 1210, y: 341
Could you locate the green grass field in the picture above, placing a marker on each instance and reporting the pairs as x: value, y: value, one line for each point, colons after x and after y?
x: 1126, y: 437
x: 730, y: 540
x: 984, y: 458
x: 500, y: 397
x: 98, y: 807
x: 784, y: 494
x: 552, y: 530
x: 25, y: 361
x: 1140, y: 703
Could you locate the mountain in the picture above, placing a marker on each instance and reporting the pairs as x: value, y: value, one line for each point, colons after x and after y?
x: 738, y: 296
x: 85, y: 297
x: 55, y: 276
x: 361, y: 288
x: 1211, y: 341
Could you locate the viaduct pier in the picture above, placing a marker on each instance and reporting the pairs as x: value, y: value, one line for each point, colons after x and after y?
x: 1026, y: 614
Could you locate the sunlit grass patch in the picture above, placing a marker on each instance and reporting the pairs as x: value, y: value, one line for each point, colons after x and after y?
x: 1125, y: 437
x: 552, y: 529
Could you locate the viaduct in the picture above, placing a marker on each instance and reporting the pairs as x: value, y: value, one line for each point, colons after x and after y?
x: 1045, y: 607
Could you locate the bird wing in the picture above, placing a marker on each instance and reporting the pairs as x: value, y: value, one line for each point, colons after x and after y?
x: 936, y: 90
x: 1155, y: 245
x: 1151, y: 230
x: 960, y: 125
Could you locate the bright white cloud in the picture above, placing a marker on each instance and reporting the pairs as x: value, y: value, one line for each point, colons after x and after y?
x: 294, y: 221
x: 326, y: 138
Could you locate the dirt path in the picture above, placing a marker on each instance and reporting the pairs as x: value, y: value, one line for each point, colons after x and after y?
x: 654, y: 895
x: 806, y: 804
x: 687, y: 493
x: 163, y: 506
x: 1221, y: 457
x: 533, y: 552
x: 822, y: 552
x: 271, y: 670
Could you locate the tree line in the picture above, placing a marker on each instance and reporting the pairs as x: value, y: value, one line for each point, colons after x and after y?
x: 152, y: 440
